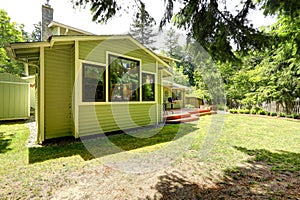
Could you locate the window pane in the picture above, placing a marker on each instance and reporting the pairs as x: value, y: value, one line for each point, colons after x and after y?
x: 176, y: 94
x: 148, y: 87
x: 93, y: 83
x: 123, y: 79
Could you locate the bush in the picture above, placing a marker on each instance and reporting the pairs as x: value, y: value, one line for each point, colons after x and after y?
x: 262, y: 112
x: 281, y: 114
x: 289, y: 116
x: 273, y: 114
x: 241, y: 111
x: 257, y: 109
x: 247, y: 111
x: 233, y: 111
x: 296, y: 116
x: 253, y: 112
x: 222, y: 107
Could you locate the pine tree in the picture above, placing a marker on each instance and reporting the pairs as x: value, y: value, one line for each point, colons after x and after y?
x: 142, y: 28
x: 173, y: 49
x: 36, y: 34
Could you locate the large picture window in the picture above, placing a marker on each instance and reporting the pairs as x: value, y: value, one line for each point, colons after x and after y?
x: 93, y: 83
x: 148, y: 87
x: 124, y: 76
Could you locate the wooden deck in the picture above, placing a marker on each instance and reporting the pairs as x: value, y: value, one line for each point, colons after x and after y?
x: 177, y: 116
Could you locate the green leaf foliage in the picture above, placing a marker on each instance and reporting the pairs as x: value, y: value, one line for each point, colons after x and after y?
x: 9, y: 32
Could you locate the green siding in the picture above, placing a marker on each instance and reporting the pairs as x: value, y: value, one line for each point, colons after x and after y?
x: 58, y: 91
x: 107, y: 118
x: 159, y: 97
x: 93, y: 119
x: 92, y: 51
x: 96, y: 51
x: 72, y: 72
x: 112, y: 117
x: 14, y: 97
x: 32, y: 70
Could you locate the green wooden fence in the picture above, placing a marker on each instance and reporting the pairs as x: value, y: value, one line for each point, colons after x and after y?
x: 14, y: 97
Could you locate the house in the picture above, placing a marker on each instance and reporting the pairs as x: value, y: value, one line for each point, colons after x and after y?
x: 89, y: 84
x: 174, y: 94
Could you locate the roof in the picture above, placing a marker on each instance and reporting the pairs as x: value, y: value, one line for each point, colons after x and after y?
x: 175, y: 85
x: 57, y: 24
x: 164, y: 57
x: 30, y: 52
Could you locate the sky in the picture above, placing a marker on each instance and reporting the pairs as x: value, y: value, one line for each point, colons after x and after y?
x: 28, y: 12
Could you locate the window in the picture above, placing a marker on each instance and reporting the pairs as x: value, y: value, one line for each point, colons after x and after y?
x: 93, y: 83
x: 148, y: 87
x: 176, y: 94
x: 124, y: 76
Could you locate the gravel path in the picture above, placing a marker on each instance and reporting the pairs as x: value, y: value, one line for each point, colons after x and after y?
x: 32, y: 139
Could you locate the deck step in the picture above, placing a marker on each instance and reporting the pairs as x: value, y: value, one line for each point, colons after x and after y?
x: 196, y: 111
x: 205, y: 113
x: 181, y: 120
x: 178, y: 116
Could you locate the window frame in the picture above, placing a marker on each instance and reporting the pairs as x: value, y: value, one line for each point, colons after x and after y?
x: 154, y: 86
x: 79, y: 77
x: 98, y: 65
x: 139, y: 61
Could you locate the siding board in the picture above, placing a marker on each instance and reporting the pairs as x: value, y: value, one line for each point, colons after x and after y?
x: 106, y: 118
x: 58, y: 92
x: 96, y: 51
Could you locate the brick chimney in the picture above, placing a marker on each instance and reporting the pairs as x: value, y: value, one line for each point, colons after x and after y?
x: 47, y: 18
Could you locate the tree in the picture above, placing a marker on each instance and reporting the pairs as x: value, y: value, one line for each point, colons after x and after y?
x: 142, y: 28
x: 282, y: 63
x: 36, y: 34
x: 270, y: 75
x: 219, y: 29
x: 9, y: 32
x: 173, y: 49
x: 181, y: 53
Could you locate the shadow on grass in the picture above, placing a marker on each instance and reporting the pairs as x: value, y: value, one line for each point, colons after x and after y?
x: 6, y: 139
x: 105, y: 144
x: 267, y: 175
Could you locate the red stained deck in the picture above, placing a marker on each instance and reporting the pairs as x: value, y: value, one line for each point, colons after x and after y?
x: 177, y: 116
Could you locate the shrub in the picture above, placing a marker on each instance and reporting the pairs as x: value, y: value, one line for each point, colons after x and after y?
x: 222, y: 107
x: 273, y: 114
x: 289, y: 116
x: 233, y: 111
x: 296, y: 116
x: 241, y: 111
x: 262, y: 112
x: 257, y: 109
x: 247, y: 111
x: 253, y: 112
x: 281, y: 114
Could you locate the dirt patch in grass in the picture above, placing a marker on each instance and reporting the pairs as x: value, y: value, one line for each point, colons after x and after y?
x: 254, y: 180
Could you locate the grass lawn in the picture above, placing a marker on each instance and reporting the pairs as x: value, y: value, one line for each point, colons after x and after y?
x: 252, y: 158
